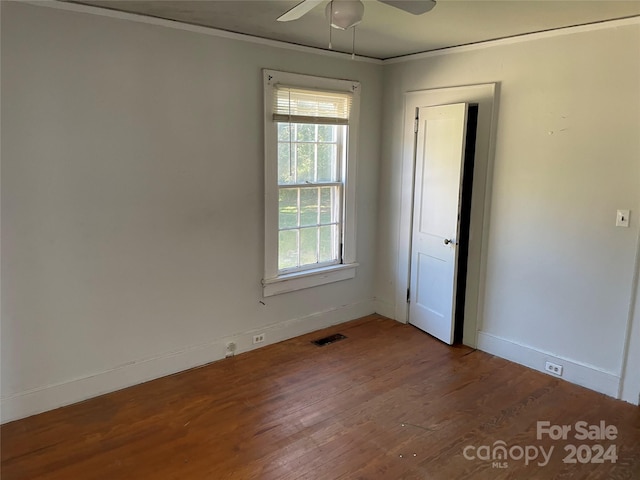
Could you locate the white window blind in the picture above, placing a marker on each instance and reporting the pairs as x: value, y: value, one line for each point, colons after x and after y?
x: 296, y: 105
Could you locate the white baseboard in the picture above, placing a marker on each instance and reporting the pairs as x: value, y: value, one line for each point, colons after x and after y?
x: 575, y: 372
x: 630, y: 396
x: 38, y: 400
x: 385, y: 309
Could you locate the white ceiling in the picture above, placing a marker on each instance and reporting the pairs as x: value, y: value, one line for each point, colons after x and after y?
x: 385, y: 32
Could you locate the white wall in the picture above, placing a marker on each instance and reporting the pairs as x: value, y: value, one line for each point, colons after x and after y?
x: 132, y: 203
x: 559, y: 276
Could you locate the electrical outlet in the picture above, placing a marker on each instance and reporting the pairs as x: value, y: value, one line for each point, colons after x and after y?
x: 231, y: 350
x: 553, y: 368
x: 258, y: 338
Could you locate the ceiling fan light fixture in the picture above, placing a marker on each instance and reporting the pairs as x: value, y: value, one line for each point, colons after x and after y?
x: 344, y: 14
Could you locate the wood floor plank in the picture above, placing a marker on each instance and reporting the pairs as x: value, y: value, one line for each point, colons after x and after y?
x: 387, y: 402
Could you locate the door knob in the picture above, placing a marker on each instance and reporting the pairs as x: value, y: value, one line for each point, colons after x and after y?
x: 447, y: 241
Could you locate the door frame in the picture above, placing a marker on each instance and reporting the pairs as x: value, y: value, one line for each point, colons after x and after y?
x: 485, y: 95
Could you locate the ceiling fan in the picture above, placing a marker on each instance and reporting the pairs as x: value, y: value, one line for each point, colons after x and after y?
x: 344, y: 14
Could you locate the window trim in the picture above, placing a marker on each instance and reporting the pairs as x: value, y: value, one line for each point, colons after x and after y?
x: 274, y: 282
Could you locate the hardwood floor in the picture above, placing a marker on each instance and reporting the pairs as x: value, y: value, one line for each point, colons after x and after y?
x: 388, y: 402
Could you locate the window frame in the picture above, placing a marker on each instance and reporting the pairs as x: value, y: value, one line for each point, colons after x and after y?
x: 274, y: 281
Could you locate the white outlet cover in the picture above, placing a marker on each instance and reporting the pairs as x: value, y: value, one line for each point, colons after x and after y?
x: 553, y: 368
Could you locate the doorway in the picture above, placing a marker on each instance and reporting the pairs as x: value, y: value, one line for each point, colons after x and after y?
x: 471, y: 238
x: 445, y: 150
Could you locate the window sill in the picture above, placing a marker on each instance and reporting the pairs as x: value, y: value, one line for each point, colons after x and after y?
x: 307, y: 279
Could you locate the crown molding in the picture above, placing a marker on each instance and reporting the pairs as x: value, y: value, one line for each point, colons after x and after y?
x: 525, y: 37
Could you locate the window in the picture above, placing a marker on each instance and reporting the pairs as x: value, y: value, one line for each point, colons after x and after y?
x: 310, y: 129
x: 309, y: 195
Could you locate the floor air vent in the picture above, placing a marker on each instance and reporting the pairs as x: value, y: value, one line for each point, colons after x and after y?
x: 321, y: 342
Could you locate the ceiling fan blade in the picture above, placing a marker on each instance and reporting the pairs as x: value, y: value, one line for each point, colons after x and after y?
x: 416, y: 7
x: 299, y: 10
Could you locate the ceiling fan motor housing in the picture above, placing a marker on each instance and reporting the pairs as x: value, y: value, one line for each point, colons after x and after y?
x: 344, y: 14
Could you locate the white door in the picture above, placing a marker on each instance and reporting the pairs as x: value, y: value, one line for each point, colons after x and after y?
x: 438, y: 178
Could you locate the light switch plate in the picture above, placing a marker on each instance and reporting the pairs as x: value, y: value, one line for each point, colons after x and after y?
x: 622, y: 218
